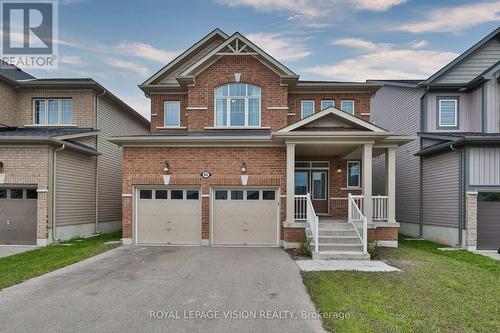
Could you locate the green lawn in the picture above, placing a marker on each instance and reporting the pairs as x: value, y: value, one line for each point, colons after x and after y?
x: 20, y: 267
x: 438, y: 291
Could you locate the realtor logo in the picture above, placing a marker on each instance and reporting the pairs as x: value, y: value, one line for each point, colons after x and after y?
x: 29, y: 32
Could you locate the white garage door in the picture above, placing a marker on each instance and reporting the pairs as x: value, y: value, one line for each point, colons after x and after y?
x: 169, y: 216
x: 245, y: 217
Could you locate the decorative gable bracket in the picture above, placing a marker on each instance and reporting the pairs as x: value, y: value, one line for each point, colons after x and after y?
x: 236, y: 47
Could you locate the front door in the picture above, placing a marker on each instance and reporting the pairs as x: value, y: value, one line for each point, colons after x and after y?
x: 316, y: 183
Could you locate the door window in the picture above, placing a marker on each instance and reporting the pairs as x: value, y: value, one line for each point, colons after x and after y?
x: 319, y: 185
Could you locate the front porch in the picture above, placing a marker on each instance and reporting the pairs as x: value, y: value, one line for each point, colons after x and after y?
x: 329, y: 159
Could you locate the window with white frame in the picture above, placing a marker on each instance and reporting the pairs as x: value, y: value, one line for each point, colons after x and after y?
x: 306, y: 108
x: 53, y: 111
x: 237, y: 105
x: 347, y: 106
x: 327, y: 103
x: 353, y: 174
x: 448, y: 112
x: 172, y: 114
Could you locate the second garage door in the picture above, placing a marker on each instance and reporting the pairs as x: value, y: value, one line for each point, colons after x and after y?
x: 169, y: 216
x: 247, y: 217
x: 488, y: 221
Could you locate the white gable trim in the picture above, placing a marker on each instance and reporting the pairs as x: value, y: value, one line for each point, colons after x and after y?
x: 339, y: 113
x: 185, y: 54
x: 238, y: 36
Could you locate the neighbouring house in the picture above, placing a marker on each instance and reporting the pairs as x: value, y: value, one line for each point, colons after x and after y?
x: 448, y: 183
x: 243, y: 153
x: 59, y: 176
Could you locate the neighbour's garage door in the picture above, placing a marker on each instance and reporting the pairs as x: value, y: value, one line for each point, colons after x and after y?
x: 488, y: 221
x: 18, y: 216
x: 169, y: 216
x: 245, y: 217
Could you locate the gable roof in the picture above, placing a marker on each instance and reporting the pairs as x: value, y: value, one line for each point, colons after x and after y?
x: 213, y: 34
x: 237, y: 38
x: 342, y: 115
x: 462, y: 57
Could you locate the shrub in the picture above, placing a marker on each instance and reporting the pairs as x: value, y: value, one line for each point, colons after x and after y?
x: 304, y: 249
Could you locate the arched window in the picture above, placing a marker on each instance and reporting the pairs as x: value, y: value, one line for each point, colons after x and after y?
x: 237, y: 104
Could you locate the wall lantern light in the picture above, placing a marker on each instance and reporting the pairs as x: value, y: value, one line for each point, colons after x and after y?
x: 243, y: 167
x: 1, y: 166
x: 339, y: 169
x: 166, y: 167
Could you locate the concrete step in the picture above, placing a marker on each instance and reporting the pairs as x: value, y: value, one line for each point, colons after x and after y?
x: 339, y: 226
x: 346, y: 255
x: 337, y: 239
x: 338, y: 247
x: 334, y: 232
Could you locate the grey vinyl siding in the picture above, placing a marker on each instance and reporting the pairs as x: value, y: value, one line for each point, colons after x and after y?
x: 441, y: 189
x: 398, y: 110
x: 484, y: 166
x: 112, y: 122
x: 469, y: 111
x: 485, y: 57
x: 492, y: 101
x: 75, y: 188
x: 430, y: 142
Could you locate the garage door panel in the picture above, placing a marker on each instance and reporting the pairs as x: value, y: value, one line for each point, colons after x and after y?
x: 245, y: 222
x: 18, y: 218
x: 488, y: 222
x: 169, y: 221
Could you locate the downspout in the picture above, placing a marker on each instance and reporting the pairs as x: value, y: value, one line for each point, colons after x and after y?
x: 54, y: 177
x: 97, y: 163
x: 423, y: 120
x: 460, y: 191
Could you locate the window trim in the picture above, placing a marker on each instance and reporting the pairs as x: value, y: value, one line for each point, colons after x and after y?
x: 327, y: 100
x: 302, y: 107
x: 456, y: 99
x: 165, y: 125
x: 359, y: 175
x: 353, y: 106
x: 246, y: 99
x: 46, y: 112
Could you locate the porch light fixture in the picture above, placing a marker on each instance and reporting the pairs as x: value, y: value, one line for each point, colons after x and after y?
x: 243, y: 167
x: 166, y: 167
x: 1, y: 166
x: 339, y: 169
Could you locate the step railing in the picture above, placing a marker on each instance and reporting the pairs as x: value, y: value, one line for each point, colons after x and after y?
x: 313, y: 222
x: 379, y: 206
x: 358, y: 220
x: 301, y: 207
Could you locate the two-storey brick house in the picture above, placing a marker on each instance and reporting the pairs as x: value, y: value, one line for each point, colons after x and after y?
x: 448, y: 180
x: 58, y: 173
x: 243, y: 153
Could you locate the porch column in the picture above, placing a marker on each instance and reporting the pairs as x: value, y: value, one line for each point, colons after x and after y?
x: 290, y: 182
x: 367, y: 181
x: 390, y: 183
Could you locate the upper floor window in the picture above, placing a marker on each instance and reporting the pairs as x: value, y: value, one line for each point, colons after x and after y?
x: 172, y: 114
x: 353, y: 174
x: 52, y: 111
x: 306, y: 108
x: 237, y: 104
x: 448, y: 112
x: 327, y: 103
x: 347, y: 106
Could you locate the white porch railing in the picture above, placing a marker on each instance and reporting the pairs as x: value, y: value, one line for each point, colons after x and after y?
x: 300, y: 207
x: 379, y: 208
x: 313, y: 222
x: 358, y: 220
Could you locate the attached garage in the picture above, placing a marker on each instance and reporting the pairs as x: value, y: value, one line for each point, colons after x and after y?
x: 18, y: 212
x: 168, y: 216
x: 245, y: 217
x: 488, y: 221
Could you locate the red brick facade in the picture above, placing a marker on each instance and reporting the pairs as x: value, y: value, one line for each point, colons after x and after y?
x: 266, y: 166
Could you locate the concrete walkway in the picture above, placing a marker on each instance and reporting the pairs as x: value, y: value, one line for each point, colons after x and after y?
x: 492, y: 254
x: 8, y: 250
x: 165, y: 289
x: 345, y: 265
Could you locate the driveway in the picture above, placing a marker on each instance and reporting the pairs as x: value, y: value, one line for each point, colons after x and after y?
x: 158, y: 289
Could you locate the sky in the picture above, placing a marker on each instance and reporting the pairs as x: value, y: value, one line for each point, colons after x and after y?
x: 122, y: 43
